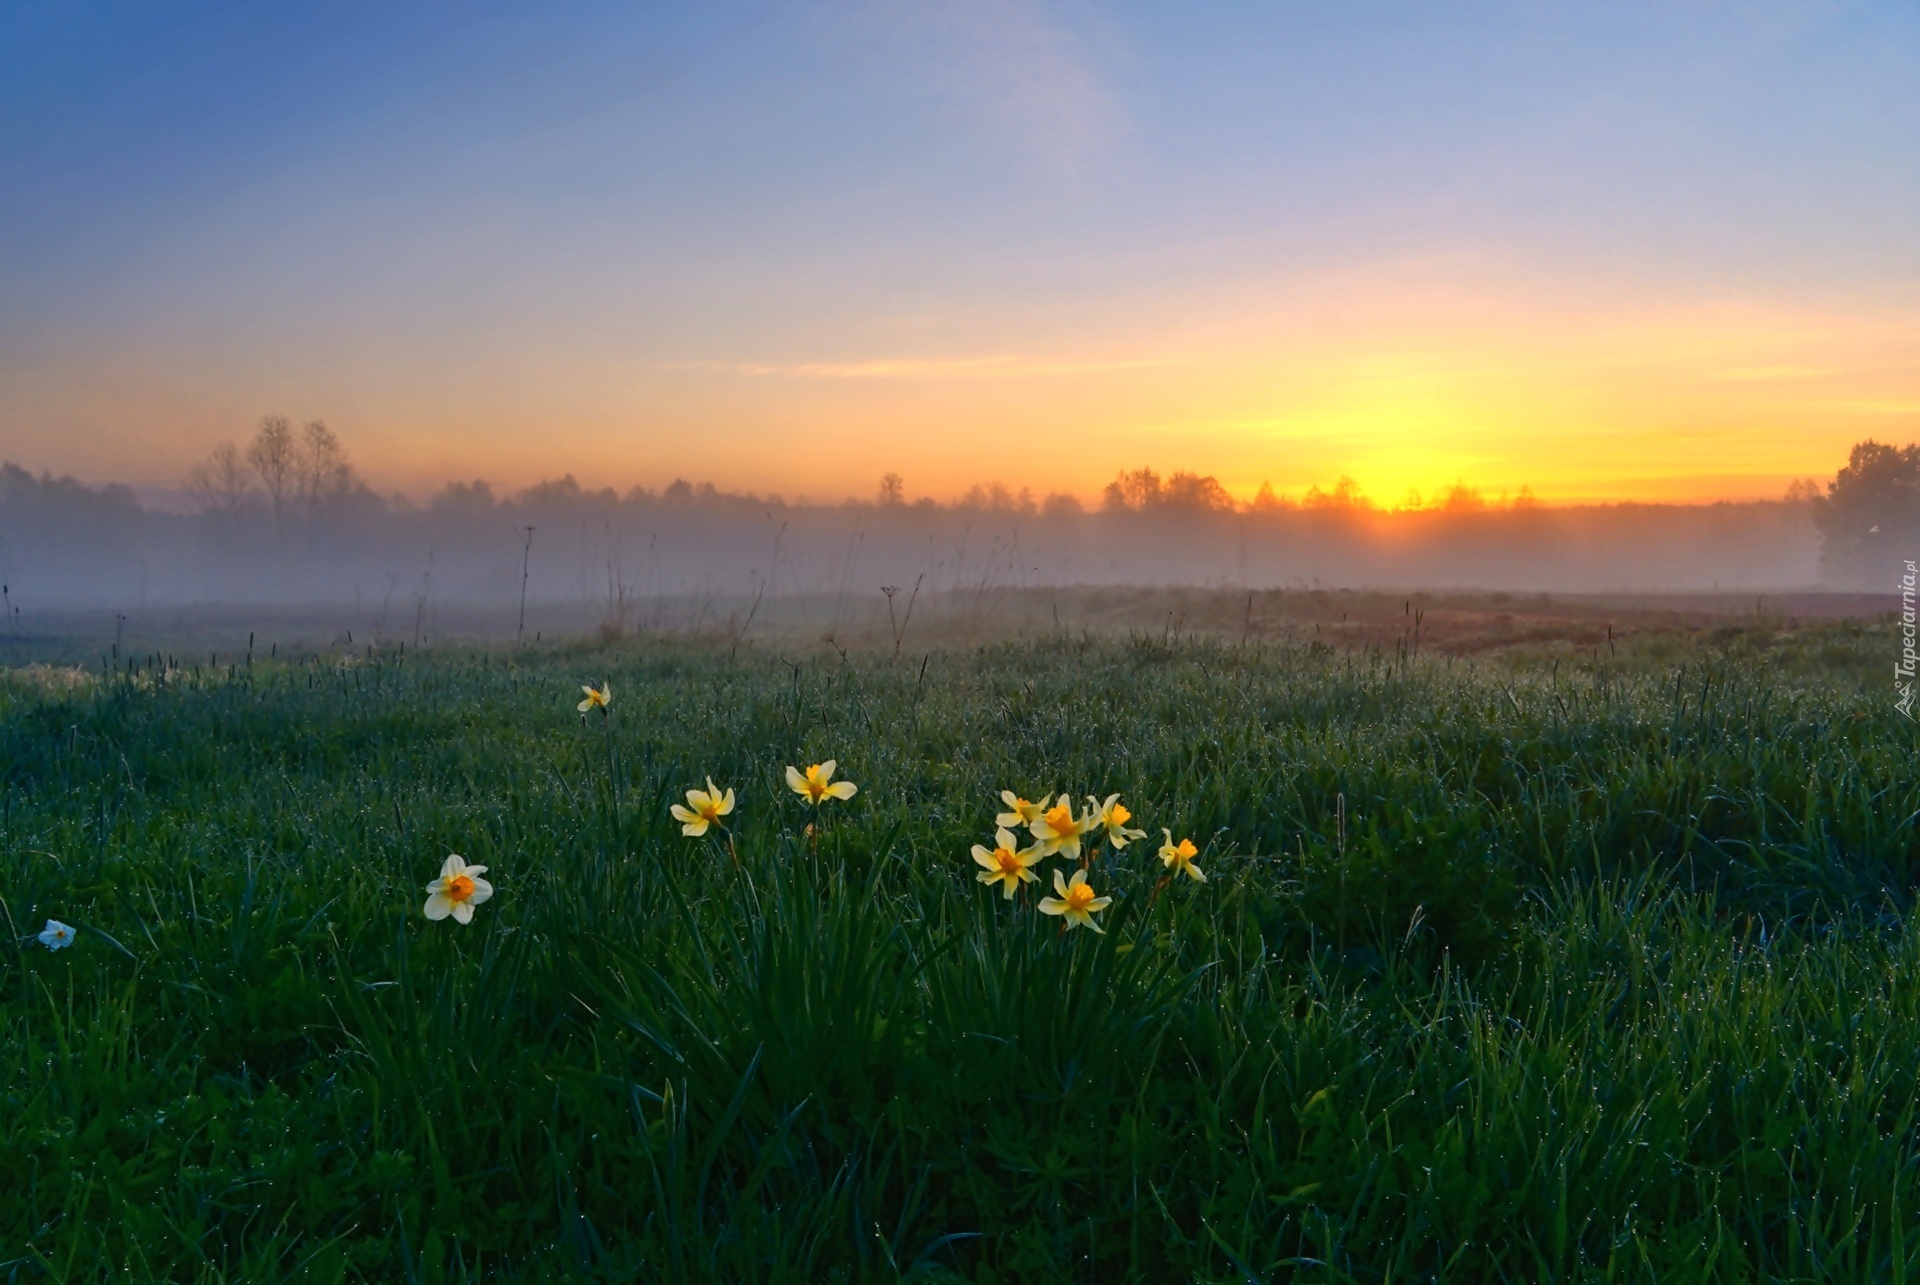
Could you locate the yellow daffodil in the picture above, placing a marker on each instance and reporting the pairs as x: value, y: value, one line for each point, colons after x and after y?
x: 457, y: 891
x: 818, y: 784
x: 1179, y: 857
x: 1113, y: 816
x: 704, y: 808
x: 597, y: 697
x: 1019, y: 811
x: 1059, y: 830
x: 1007, y: 864
x: 1075, y: 900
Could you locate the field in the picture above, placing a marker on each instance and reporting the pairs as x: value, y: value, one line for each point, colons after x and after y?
x: 1521, y: 959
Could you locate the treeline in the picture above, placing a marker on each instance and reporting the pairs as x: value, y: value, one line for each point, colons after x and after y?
x: 308, y: 475
x: 286, y: 518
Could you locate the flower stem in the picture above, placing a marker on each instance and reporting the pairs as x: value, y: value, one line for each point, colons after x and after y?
x: 613, y: 780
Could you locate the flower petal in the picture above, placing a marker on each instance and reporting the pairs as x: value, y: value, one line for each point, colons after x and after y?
x: 463, y: 912
x: 796, y: 782
x: 439, y: 906
x: 453, y: 865
x: 843, y: 789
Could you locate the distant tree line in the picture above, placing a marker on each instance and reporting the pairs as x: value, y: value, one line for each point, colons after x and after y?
x: 1868, y: 516
x: 306, y: 474
x: 301, y: 483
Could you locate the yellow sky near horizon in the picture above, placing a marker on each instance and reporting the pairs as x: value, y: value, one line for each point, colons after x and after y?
x: 1404, y: 383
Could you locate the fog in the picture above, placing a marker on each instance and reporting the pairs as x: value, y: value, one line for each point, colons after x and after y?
x: 594, y: 559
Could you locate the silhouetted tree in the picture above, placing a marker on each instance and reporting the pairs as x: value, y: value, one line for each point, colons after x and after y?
x: 274, y: 456
x: 1266, y: 501
x: 1142, y: 490
x: 1136, y: 490
x: 220, y: 483
x: 321, y: 471
x: 997, y: 497
x: 1869, y: 519
x: 306, y: 474
x: 1461, y: 498
x: 1344, y: 495
x: 1195, y: 493
x: 464, y: 497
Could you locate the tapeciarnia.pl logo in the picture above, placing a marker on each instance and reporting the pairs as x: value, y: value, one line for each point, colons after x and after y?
x: 1903, y: 669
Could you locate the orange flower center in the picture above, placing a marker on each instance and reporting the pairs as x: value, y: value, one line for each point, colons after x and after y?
x: 1009, y: 863
x: 459, y: 888
x: 710, y: 810
x: 1079, y: 896
x: 1061, y: 822
x: 1120, y: 814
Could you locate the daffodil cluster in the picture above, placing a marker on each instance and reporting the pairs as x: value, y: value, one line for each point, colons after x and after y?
x: 1057, y: 829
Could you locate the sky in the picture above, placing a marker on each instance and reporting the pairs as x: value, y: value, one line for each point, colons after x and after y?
x: 1664, y: 250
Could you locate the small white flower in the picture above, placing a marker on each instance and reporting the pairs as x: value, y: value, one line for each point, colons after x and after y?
x: 457, y: 891
x: 55, y: 935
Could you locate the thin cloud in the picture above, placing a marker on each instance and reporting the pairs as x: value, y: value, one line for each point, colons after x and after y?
x: 911, y: 368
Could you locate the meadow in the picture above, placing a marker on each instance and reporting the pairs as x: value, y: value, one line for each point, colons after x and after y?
x: 1541, y: 963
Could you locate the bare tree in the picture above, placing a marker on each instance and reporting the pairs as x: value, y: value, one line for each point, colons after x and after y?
x: 321, y: 468
x: 893, y: 490
x: 275, y: 458
x: 219, y: 483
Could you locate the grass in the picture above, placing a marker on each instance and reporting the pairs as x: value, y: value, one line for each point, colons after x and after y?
x: 1537, y: 967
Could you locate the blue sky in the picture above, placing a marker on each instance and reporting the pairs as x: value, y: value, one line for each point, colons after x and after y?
x: 1268, y: 241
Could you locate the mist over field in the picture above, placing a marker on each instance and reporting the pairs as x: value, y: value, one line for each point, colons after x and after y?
x: 595, y: 555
